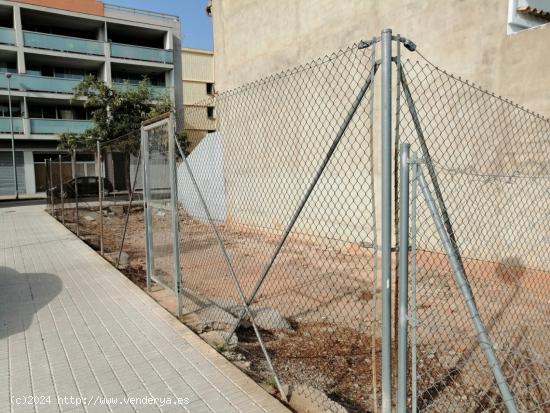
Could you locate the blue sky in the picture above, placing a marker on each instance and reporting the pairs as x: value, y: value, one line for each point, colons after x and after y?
x: 196, y: 25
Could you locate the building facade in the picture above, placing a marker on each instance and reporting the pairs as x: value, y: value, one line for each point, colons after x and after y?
x: 198, y: 90
x: 46, y: 48
x: 499, y: 44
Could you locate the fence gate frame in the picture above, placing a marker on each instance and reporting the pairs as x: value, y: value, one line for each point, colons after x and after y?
x: 166, y: 120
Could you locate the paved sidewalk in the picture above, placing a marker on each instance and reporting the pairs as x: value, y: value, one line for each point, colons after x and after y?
x: 73, y: 326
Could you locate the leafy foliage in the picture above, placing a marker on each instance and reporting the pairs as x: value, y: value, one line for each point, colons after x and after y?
x: 116, y: 113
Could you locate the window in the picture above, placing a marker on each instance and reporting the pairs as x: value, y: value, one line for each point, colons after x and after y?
x: 5, y: 110
x: 210, y: 88
x: 526, y: 14
x: 210, y: 112
x: 10, y: 67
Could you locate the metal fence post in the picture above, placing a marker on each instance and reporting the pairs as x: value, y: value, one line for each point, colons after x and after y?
x: 413, y: 317
x: 47, y: 184
x: 147, y: 209
x: 100, y: 195
x: 50, y: 187
x: 386, y: 240
x: 77, y: 217
x: 174, y: 206
x: 466, y: 291
x: 61, y: 190
x: 403, y: 277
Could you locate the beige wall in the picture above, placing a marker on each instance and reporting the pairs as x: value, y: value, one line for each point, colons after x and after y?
x: 254, y: 38
x: 468, y: 38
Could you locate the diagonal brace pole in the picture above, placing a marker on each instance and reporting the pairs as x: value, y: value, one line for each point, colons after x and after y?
x: 231, y: 271
x: 128, y: 212
x: 428, y: 160
x: 309, y: 190
x: 448, y: 238
x: 466, y: 291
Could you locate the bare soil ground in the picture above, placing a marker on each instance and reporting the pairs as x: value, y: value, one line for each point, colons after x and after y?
x: 327, y: 289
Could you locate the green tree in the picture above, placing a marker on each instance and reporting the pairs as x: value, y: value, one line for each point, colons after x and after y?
x: 117, y: 114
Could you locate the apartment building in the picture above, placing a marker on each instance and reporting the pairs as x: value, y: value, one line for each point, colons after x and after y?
x: 198, y: 89
x: 46, y: 48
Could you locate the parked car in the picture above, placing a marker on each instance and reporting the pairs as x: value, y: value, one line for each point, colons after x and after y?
x: 87, y: 186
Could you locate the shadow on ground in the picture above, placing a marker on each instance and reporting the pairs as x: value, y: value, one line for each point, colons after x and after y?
x: 21, y: 296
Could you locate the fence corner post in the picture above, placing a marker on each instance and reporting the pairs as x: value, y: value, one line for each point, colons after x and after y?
x: 386, y: 144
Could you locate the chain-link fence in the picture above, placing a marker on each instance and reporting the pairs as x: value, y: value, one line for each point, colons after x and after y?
x: 97, y: 193
x: 485, y: 162
x: 268, y: 232
x: 277, y: 210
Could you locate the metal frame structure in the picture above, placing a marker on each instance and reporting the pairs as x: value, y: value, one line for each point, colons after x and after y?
x: 167, y: 121
x: 393, y: 161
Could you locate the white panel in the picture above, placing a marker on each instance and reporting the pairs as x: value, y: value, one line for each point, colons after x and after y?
x: 206, y: 162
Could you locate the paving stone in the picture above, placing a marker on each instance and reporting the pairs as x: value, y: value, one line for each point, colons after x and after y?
x: 87, y: 331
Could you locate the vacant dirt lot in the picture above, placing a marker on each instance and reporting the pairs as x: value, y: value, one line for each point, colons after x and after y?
x: 328, y: 292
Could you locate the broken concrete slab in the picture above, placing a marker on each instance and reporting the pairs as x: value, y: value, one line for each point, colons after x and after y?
x: 307, y: 399
x: 268, y: 318
x: 215, y: 318
x: 216, y: 338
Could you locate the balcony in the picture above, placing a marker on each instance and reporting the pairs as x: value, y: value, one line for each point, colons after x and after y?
x: 148, y: 54
x: 5, y: 125
x: 7, y: 36
x: 156, y: 91
x: 63, y: 43
x: 39, y: 83
x: 55, y: 126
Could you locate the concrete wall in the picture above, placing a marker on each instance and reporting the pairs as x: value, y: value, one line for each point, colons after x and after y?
x: 468, y: 38
x: 206, y: 163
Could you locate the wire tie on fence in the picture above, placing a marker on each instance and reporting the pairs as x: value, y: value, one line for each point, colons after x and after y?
x: 363, y: 44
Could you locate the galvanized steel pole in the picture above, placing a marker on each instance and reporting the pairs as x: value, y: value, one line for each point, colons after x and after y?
x: 174, y: 208
x: 465, y: 289
x: 403, y: 277
x: 386, y: 63
x: 61, y: 190
x: 146, y: 209
x: 100, y: 190
x: 50, y: 189
x: 75, y: 191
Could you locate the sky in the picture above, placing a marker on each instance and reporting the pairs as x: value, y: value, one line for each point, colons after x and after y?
x: 196, y: 25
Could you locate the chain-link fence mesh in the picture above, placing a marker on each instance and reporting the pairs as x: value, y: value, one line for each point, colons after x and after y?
x: 113, y: 223
x: 316, y: 306
x: 158, y: 194
x: 278, y: 231
x: 486, y: 162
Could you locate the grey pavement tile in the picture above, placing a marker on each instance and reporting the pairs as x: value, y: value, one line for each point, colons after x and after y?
x: 199, y: 407
x: 102, y: 336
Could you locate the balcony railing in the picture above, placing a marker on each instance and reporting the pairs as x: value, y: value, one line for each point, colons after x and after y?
x: 39, y: 83
x: 63, y: 43
x: 156, y: 91
x: 148, y: 54
x: 5, y: 126
x: 7, y: 36
x: 53, y: 126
